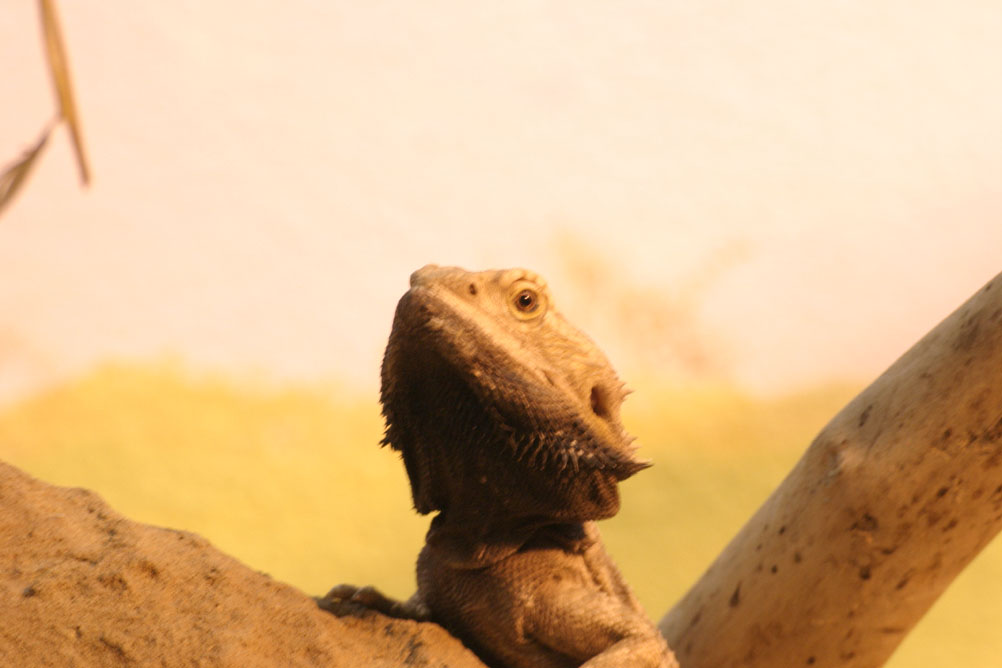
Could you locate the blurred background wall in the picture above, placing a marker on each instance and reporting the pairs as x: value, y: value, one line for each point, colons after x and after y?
x: 267, y: 174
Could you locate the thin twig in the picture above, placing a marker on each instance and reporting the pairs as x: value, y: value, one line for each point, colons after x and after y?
x: 61, y: 78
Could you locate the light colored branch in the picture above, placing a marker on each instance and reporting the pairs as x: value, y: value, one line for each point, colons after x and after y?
x: 896, y: 495
x: 59, y: 68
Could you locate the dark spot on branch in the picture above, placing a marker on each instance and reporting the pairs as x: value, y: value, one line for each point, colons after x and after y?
x: 782, y: 530
x: 149, y: 569
x: 864, y: 573
x: 865, y: 415
x: 994, y: 432
x: 115, y: 648
x: 113, y: 581
x: 797, y: 558
x: 774, y: 569
x: 865, y: 523
x: 968, y: 335
x: 29, y: 591
x: 941, y: 492
x: 735, y: 597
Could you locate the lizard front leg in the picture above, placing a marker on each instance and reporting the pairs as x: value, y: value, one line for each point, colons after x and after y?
x: 594, y: 627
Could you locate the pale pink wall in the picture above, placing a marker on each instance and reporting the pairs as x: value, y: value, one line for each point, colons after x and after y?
x: 267, y: 174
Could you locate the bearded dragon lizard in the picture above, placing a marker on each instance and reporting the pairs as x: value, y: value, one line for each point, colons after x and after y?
x: 507, y: 418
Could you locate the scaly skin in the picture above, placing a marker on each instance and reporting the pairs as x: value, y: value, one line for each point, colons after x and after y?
x: 507, y: 418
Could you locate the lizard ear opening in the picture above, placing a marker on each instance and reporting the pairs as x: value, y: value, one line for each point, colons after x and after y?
x: 600, y: 403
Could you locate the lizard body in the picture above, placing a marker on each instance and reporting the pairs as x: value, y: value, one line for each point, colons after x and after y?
x: 507, y: 419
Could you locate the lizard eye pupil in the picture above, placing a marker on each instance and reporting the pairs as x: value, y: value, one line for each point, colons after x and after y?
x: 527, y: 301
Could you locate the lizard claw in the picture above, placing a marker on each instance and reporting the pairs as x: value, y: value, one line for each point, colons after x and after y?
x: 343, y: 592
x: 367, y: 597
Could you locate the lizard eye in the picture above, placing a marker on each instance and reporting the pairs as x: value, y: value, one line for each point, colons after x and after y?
x: 526, y: 301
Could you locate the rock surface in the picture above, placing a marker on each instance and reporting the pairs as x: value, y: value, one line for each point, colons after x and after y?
x: 83, y: 586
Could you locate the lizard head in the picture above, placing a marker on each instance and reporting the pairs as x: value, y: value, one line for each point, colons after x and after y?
x: 498, y: 403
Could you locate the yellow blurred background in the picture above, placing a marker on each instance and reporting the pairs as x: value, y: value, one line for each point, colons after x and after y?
x: 753, y: 209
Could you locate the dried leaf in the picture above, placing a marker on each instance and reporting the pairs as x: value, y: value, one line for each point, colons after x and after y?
x: 14, y: 176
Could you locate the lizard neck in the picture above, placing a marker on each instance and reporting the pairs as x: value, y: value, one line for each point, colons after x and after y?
x: 472, y: 543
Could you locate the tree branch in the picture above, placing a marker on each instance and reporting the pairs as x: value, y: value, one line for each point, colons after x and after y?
x: 895, y: 496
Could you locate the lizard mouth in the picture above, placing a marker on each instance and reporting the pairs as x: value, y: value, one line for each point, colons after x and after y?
x: 426, y: 392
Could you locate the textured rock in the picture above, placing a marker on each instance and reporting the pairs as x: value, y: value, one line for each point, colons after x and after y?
x: 84, y: 586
